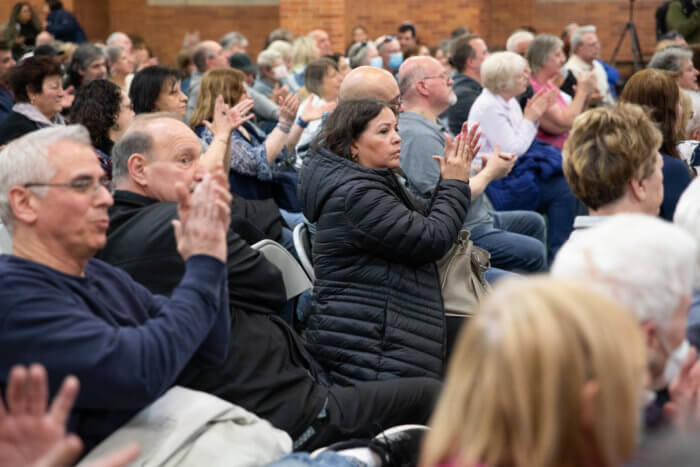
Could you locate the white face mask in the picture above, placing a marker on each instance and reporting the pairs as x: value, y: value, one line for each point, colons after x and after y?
x: 675, y: 362
x: 279, y: 72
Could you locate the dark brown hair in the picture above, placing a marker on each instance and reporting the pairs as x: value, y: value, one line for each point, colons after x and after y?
x: 315, y: 71
x: 30, y: 73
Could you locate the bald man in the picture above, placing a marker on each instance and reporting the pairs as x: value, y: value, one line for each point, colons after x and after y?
x: 323, y: 41
x: 515, y: 239
x: 207, y: 56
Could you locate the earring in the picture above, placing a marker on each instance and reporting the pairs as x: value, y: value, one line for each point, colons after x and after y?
x: 116, y: 127
x: 353, y: 157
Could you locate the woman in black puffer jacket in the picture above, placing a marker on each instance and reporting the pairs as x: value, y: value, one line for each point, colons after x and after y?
x: 377, y: 305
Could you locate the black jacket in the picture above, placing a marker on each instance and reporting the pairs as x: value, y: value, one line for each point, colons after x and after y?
x: 267, y: 370
x: 467, y: 90
x: 16, y: 125
x: 377, y: 304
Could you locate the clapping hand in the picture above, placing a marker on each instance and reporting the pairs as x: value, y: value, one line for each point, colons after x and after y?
x: 312, y: 112
x: 684, y: 407
x: 279, y: 93
x: 499, y: 164
x: 226, y: 119
x: 538, y: 104
x: 459, y: 153
x: 288, y: 109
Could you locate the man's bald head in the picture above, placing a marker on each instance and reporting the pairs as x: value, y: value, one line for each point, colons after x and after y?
x: 323, y: 41
x: 368, y: 82
x: 208, y: 55
x: 416, y: 68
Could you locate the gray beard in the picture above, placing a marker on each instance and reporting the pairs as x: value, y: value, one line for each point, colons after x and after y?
x: 452, y: 100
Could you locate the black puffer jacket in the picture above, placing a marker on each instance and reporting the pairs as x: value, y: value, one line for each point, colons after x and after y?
x: 378, y: 310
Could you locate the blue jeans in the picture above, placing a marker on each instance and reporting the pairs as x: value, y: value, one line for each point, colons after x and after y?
x: 515, y: 240
x: 324, y: 459
x: 559, y: 204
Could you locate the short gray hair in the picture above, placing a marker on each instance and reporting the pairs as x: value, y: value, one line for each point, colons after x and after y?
x: 500, y: 69
x: 233, y: 38
x: 645, y: 263
x: 577, y: 36
x: 409, y: 80
x: 268, y: 57
x: 670, y: 59
x: 687, y: 216
x: 114, y: 52
x: 357, y: 53
x: 516, y: 38
x: 116, y: 37
x: 540, y: 49
x: 132, y: 142
x: 25, y: 160
x: 284, y: 48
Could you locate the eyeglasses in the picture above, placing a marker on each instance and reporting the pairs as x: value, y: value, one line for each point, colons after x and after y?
x: 82, y: 185
x: 387, y: 39
x: 395, y: 104
x: 442, y: 76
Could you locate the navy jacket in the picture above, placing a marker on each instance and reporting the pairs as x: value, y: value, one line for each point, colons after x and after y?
x: 6, y: 102
x: 125, y: 345
x: 467, y: 90
x: 64, y: 27
x: 676, y: 179
x: 377, y: 303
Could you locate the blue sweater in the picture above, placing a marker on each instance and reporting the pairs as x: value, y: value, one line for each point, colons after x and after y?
x: 125, y: 345
x: 676, y: 179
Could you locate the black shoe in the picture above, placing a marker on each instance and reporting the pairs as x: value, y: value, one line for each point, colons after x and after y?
x: 399, y: 446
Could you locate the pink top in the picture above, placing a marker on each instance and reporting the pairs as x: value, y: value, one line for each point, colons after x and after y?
x: 555, y: 140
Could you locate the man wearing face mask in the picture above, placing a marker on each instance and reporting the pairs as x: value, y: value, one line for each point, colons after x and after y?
x: 389, y: 49
x: 271, y: 72
x: 648, y: 265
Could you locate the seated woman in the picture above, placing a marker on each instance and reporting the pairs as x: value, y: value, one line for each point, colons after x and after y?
x: 377, y: 303
x: 323, y: 81
x: 105, y: 110
x: 39, y: 98
x: 261, y: 165
x: 157, y: 89
x: 657, y: 91
x: 536, y: 181
x: 546, y: 57
x: 120, y: 64
x: 547, y: 374
x: 22, y: 29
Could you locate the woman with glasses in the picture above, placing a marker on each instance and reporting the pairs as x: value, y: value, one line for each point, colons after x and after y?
x: 377, y: 303
x: 39, y: 98
x: 105, y: 110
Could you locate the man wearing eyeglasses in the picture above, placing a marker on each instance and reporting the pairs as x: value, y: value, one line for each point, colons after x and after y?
x: 77, y: 315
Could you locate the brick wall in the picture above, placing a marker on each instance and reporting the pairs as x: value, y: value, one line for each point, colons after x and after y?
x: 164, y: 27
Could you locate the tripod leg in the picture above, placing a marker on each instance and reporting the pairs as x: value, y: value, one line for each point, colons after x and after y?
x: 636, y: 49
x: 619, y: 43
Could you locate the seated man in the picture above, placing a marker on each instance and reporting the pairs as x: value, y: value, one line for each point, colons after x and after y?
x: 77, y: 315
x: 612, y: 163
x: 267, y: 370
x: 515, y: 239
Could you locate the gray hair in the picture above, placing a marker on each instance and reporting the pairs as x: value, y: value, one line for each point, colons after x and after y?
x: 132, y: 142
x: 114, y: 52
x: 116, y: 38
x: 84, y: 55
x: 25, y: 160
x: 228, y: 41
x: 645, y: 263
x: 516, y: 38
x: 687, y: 216
x: 670, y: 59
x: 409, y: 80
x: 357, y: 53
x: 540, y: 49
x: 500, y: 70
x: 284, y: 48
x: 577, y: 36
x: 201, y: 53
x: 268, y: 57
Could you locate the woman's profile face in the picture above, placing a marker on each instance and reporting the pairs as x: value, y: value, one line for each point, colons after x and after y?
x: 379, y: 146
x: 172, y: 99
x: 124, y: 117
x: 555, y: 61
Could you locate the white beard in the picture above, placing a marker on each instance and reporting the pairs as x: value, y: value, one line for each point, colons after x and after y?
x: 452, y: 100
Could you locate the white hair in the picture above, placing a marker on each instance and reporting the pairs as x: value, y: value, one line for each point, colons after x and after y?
x: 577, y: 36
x: 500, y: 69
x: 645, y: 263
x: 284, y: 48
x: 516, y: 38
x: 268, y: 57
x: 25, y: 160
x: 117, y: 38
x: 233, y: 38
x: 687, y: 216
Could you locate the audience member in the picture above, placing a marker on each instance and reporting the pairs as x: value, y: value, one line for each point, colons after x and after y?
x: 305, y: 52
x: 286, y: 50
x: 648, y: 265
x: 88, y: 63
x: 441, y: 53
x: 341, y: 61
x: 105, y: 110
x: 120, y: 65
x: 81, y: 316
x: 657, y: 91
x: 679, y: 62
x: 22, y: 29
x: 682, y: 16
x: 566, y: 37
x: 267, y: 369
x: 546, y: 57
x: 536, y: 182
x: 407, y: 36
x: 514, y: 239
x: 612, y: 163
x: 36, y: 85
x: 359, y: 34
x: 279, y: 34
x: 519, y: 41
x: 687, y: 217
x: 468, y: 53
x: 585, y: 52
x: 547, y: 374
x: 375, y: 250
x: 207, y: 55
x: 264, y: 108
x: 157, y: 89
x: 364, y: 54
x: 62, y: 24
x: 7, y: 64
x: 323, y: 41
x: 143, y: 57
x: 390, y: 51
x: 234, y: 43
x: 44, y: 38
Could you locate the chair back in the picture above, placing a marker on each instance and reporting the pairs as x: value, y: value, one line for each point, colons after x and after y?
x: 302, y: 244
x: 295, y: 279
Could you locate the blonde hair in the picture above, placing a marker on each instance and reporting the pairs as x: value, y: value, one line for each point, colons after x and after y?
x: 686, y: 115
x: 513, y: 393
x: 304, y: 51
x: 226, y: 82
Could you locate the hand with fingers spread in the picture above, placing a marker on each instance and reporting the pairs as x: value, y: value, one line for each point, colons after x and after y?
x: 288, y: 110
x: 498, y: 164
x: 32, y: 436
x: 241, y: 112
x: 459, y: 153
x: 204, y: 219
x: 538, y: 104
x: 313, y: 112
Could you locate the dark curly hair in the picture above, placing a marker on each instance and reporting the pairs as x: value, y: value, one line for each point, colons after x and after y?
x: 96, y: 106
x: 147, y: 85
x: 345, y: 125
x: 30, y: 74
